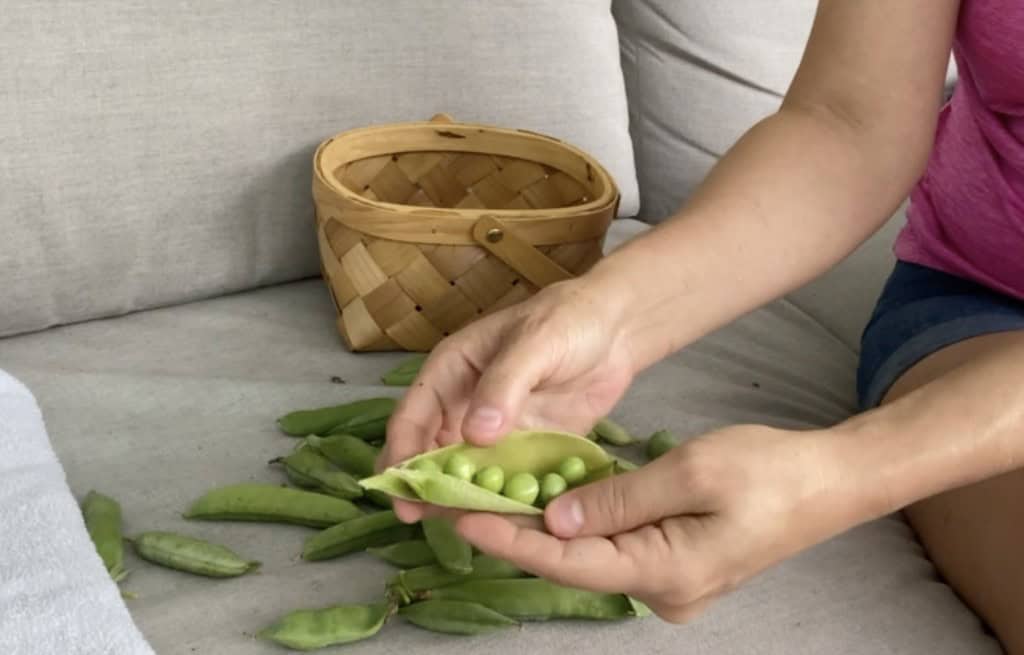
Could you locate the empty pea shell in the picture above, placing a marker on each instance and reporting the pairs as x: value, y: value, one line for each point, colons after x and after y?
x: 533, y: 452
x: 102, y: 516
x: 453, y: 553
x: 406, y: 554
x: 405, y: 372
x: 455, y: 617
x: 608, y: 430
x: 273, y: 504
x: 361, y: 418
x: 539, y: 599
x: 330, y: 626
x: 377, y: 529
x: 191, y: 555
x: 660, y: 443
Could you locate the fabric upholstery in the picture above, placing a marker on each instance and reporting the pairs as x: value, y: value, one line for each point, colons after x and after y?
x: 155, y: 152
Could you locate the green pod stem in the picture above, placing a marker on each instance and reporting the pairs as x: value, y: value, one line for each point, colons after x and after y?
x: 361, y: 416
x: 660, y: 443
x: 611, y: 432
x: 405, y: 372
x: 485, y: 567
x: 272, y: 504
x: 405, y: 554
x: 306, y: 467
x: 532, y: 452
x: 191, y: 555
x: 536, y: 599
x: 455, y: 617
x: 453, y: 553
x: 102, y: 516
x: 370, y: 530
x: 348, y: 453
x: 331, y: 626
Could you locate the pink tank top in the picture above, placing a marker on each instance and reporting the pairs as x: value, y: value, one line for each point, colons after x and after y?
x: 966, y: 214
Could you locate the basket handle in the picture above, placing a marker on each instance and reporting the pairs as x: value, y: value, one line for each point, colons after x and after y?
x: 529, y: 262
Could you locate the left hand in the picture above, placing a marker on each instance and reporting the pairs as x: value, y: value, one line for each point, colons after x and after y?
x: 690, y: 526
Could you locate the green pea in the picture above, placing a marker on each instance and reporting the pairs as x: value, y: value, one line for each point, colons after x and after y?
x: 377, y: 529
x: 491, y: 478
x: 532, y: 453
x: 573, y: 470
x: 660, y: 443
x: 455, y: 617
x: 191, y: 555
x: 426, y: 466
x: 331, y: 626
x: 460, y: 466
x: 348, y: 453
x: 271, y: 503
x: 552, y: 486
x: 102, y: 516
x: 306, y: 467
x: 406, y: 554
x: 453, y: 553
x: 406, y: 371
x: 610, y: 431
x: 539, y: 599
x: 485, y: 567
x: 522, y: 487
x: 362, y: 418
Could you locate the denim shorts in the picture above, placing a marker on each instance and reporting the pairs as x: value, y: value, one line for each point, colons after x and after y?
x: 922, y: 310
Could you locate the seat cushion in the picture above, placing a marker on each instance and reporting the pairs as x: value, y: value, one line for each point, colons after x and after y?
x: 155, y: 153
x: 158, y: 407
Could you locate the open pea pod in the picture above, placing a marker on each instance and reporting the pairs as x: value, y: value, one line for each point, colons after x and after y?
x: 536, y: 452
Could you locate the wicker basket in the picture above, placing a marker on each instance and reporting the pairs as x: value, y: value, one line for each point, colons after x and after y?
x: 424, y: 227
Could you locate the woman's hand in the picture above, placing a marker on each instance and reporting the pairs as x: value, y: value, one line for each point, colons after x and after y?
x: 557, y: 360
x: 690, y: 526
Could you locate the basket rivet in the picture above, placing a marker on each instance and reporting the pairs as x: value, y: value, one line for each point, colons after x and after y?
x: 494, y: 235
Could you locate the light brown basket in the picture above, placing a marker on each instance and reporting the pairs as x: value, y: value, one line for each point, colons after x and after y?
x: 424, y: 227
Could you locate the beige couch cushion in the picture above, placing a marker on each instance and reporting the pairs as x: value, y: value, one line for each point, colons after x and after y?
x: 155, y: 152
x: 159, y: 406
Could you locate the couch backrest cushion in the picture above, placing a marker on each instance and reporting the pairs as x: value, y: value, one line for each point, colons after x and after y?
x: 152, y: 153
x: 698, y: 75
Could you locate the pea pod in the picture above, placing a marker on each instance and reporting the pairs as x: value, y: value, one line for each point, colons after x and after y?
x: 453, y: 553
x: 102, y: 516
x: 406, y: 554
x: 532, y: 452
x: 611, y: 432
x: 539, y: 600
x: 191, y: 555
x: 361, y: 418
x: 485, y: 567
x: 308, y: 468
x: 660, y: 443
x: 377, y: 529
x: 348, y: 453
x: 455, y: 617
x: 406, y: 371
x: 273, y: 504
x: 331, y: 626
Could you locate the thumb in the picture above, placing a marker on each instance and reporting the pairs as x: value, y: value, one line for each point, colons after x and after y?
x: 625, y: 502
x: 517, y: 368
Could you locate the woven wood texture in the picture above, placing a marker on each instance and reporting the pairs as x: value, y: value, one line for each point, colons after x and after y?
x: 428, y: 277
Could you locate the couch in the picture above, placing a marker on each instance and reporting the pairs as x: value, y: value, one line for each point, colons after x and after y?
x: 161, y: 305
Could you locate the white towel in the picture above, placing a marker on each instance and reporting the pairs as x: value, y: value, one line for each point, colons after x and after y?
x: 55, y: 595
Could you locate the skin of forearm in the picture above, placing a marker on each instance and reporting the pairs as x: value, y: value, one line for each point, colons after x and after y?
x: 798, y: 193
x: 963, y: 427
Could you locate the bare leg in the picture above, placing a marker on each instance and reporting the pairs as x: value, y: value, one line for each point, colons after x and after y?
x: 975, y: 534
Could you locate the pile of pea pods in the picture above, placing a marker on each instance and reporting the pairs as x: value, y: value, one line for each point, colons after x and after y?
x: 442, y: 584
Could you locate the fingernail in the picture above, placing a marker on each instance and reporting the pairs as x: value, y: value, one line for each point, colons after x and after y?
x: 484, y: 419
x: 567, y: 517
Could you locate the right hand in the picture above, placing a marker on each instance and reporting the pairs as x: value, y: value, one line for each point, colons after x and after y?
x: 558, y: 360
